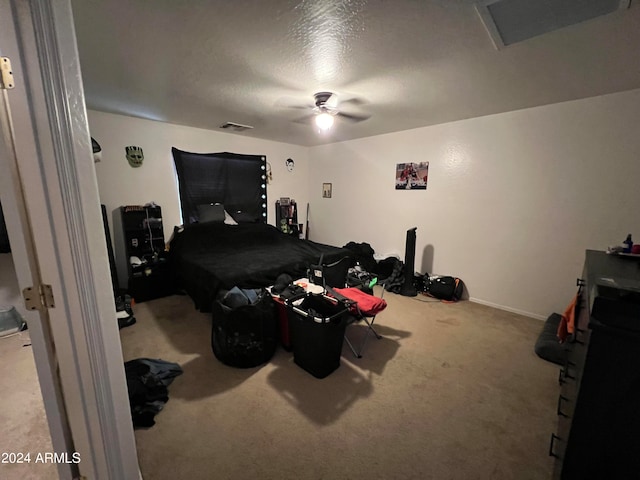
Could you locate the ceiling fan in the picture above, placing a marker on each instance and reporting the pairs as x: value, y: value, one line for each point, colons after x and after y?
x: 325, y: 109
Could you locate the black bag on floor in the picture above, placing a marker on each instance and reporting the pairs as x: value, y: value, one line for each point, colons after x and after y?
x: 445, y: 288
x: 245, y: 336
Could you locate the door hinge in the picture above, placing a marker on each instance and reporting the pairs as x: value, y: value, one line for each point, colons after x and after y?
x: 38, y: 298
x: 6, y: 77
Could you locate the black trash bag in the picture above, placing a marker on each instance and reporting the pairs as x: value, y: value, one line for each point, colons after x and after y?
x: 245, y: 336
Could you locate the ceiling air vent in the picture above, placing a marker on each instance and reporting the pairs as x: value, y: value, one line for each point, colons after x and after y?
x: 512, y: 21
x: 236, y: 127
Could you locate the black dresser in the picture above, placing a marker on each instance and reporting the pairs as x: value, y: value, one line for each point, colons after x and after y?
x: 598, y: 433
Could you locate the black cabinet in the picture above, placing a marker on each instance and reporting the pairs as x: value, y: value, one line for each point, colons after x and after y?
x: 287, y: 216
x: 148, y: 271
x: 598, y: 414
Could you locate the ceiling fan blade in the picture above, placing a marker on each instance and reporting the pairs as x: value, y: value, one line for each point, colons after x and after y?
x: 352, y: 117
x: 288, y: 102
x: 357, y: 101
x: 306, y: 119
x: 332, y: 101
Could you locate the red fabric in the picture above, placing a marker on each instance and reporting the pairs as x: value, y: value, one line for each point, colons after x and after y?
x: 369, y: 305
x: 283, y: 320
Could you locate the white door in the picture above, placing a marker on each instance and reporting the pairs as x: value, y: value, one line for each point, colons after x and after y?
x: 51, y: 205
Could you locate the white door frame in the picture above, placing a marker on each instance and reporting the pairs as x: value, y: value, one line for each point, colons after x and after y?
x: 38, y: 321
x: 54, y: 220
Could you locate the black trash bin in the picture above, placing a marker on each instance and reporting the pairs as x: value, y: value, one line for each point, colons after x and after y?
x: 245, y: 336
x: 317, y: 326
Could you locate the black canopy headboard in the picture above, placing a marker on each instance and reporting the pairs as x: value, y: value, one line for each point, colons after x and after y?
x: 237, y: 181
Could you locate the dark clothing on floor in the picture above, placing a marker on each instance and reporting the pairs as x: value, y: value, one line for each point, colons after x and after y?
x: 147, y: 382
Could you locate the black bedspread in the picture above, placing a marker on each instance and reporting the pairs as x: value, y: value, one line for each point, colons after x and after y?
x: 209, y: 257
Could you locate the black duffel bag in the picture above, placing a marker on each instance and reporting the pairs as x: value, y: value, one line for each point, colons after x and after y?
x: 444, y: 287
x: 246, y: 335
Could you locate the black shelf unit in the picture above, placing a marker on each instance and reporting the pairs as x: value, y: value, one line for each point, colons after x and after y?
x: 144, y: 239
x: 287, y: 216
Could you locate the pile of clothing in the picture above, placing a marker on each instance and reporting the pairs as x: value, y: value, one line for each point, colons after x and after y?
x: 147, y: 382
x: 285, y: 288
x: 388, y: 271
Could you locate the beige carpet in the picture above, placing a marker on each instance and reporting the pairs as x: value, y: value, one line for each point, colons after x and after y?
x: 452, y: 391
x: 23, y: 422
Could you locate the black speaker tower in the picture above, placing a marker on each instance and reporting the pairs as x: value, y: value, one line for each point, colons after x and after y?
x: 408, y: 288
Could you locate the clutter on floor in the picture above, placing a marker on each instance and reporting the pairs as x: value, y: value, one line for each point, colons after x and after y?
x: 10, y: 321
x: 548, y: 346
x: 558, y: 330
x: 442, y: 287
x: 363, y: 306
x: 124, y: 311
x: 393, y: 283
x: 248, y: 324
x: 244, y: 329
x: 147, y: 382
x: 317, y: 326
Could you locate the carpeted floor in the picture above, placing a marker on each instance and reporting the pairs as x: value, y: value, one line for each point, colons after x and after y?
x: 452, y: 391
x: 23, y: 424
x: 23, y: 421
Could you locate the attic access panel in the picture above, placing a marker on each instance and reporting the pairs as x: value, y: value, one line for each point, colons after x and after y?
x: 512, y: 21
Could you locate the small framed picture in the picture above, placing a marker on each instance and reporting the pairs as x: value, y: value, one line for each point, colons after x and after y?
x: 412, y: 176
x: 326, y: 190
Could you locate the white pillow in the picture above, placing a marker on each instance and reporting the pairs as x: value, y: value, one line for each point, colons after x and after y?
x: 228, y: 219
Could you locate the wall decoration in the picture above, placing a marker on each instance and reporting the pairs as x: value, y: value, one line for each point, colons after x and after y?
x: 97, y: 150
x: 269, y: 173
x: 326, y: 190
x: 290, y: 164
x: 135, y: 156
x: 412, y: 176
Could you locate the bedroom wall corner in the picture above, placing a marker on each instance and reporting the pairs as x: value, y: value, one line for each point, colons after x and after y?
x: 513, y: 200
x: 120, y: 184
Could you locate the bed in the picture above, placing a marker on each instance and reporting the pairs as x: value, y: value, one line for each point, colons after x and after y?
x: 208, y: 257
x: 226, y: 241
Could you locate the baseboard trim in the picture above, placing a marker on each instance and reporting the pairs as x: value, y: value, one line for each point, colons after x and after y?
x: 508, y: 309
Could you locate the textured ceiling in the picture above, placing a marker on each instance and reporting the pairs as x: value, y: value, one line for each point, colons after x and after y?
x: 406, y: 63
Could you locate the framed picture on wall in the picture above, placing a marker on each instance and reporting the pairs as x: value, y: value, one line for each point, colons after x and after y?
x: 412, y: 176
x: 326, y: 190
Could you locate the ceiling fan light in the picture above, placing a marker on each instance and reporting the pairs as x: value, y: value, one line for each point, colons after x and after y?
x: 324, y: 121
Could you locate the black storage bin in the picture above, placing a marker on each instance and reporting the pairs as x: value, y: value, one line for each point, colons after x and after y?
x: 317, y: 328
x: 245, y: 336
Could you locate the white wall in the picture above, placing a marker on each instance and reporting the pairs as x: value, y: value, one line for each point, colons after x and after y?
x: 513, y: 200
x: 155, y: 180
